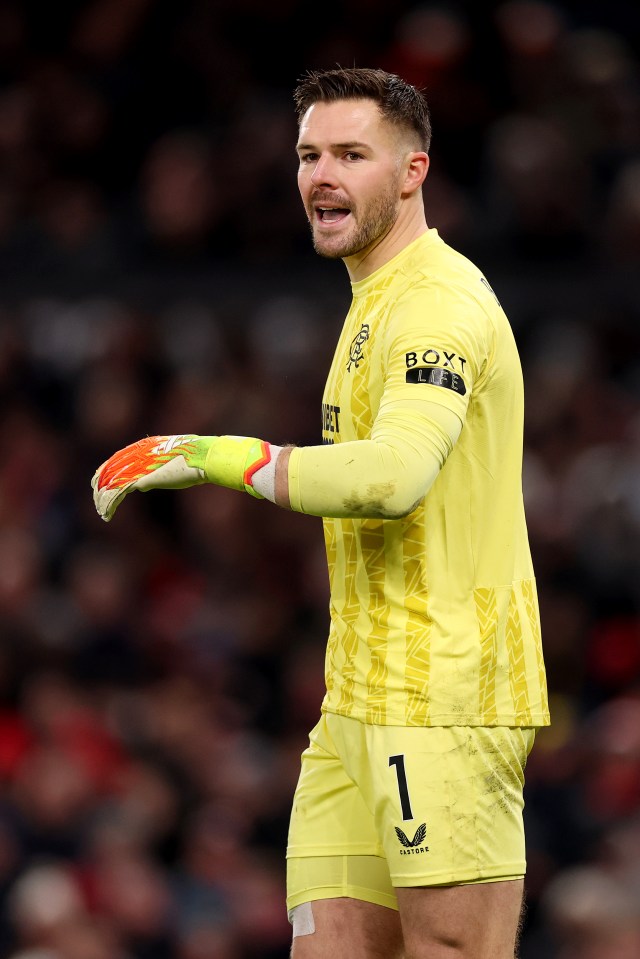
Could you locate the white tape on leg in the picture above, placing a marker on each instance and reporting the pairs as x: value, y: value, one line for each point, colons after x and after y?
x: 301, y: 918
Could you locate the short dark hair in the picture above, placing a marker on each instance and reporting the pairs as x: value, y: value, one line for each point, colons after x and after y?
x: 398, y: 101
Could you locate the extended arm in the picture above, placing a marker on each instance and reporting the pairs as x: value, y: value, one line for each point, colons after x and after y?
x: 385, y: 476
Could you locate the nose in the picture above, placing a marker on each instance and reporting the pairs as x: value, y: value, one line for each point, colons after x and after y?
x: 324, y: 172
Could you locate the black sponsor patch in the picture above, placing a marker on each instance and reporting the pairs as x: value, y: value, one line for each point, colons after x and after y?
x: 437, y: 377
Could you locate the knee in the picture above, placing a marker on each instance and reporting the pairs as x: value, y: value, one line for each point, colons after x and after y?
x: 431, y: 949
x: 428, y: 946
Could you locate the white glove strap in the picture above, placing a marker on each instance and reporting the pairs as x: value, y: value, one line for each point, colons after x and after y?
x: 264, y: 479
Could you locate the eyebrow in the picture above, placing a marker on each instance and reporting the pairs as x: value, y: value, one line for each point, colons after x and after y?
x: 351, y: 145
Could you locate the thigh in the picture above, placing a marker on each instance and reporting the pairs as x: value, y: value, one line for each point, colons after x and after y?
x: 348, y: 929
x: 476, y: 921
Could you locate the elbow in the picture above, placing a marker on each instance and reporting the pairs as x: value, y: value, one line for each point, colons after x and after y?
x: 399, y: 510
x: 380, y: 501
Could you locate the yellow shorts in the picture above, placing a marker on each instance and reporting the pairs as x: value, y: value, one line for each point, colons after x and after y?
x: 384, y: 806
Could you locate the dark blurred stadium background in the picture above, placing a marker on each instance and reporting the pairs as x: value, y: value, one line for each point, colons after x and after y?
x: 159, y: 675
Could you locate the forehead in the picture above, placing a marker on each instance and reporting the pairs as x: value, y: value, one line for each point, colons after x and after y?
x: 344, y: 121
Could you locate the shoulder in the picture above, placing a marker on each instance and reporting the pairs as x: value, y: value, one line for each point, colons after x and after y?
x: 431, y: 265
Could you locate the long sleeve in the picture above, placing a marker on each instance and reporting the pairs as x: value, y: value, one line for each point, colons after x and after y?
x: 385, y: 476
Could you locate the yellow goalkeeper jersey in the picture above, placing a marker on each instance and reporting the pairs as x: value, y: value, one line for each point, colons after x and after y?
x: 434, y: 617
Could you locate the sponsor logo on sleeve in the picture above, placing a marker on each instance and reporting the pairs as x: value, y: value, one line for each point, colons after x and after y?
x: 438, y: 367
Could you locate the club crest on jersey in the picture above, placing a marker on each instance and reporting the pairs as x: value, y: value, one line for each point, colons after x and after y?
x: 356, y: 355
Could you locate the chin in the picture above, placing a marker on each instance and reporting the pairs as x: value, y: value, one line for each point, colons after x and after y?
x: 332, y: 251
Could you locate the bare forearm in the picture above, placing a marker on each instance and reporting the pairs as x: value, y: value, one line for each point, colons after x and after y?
x: 282, y: 478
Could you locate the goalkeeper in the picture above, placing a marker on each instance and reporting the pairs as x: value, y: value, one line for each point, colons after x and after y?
x: 406, y: 835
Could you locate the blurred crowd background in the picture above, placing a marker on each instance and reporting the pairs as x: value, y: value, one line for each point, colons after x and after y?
x: 159, y: 675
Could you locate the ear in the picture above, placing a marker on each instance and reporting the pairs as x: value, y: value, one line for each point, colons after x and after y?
x: 417, y: 169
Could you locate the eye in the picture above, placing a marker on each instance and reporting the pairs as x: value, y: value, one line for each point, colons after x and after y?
x: 308, y: 158
x: 352, y: 156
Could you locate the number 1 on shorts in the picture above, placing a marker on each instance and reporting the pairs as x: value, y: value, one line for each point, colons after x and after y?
x: 403, y: 789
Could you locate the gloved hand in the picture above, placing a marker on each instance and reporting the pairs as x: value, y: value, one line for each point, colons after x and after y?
x: 175, y: 462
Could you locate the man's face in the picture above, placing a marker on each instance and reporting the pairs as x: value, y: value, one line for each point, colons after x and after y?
x: 350, y: 175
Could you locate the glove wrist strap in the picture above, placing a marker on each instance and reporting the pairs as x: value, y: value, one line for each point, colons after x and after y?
x: 232, y: 461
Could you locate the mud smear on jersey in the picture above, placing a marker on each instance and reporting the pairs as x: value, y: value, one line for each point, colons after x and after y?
x: 372, y: 502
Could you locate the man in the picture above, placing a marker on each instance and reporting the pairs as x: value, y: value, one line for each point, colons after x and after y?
x: 406, y: 835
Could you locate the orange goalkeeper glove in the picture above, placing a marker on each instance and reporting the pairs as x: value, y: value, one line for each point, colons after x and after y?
x: 176, y: 462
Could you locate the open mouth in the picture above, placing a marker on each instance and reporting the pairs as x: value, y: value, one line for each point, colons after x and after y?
x: 332, y: 214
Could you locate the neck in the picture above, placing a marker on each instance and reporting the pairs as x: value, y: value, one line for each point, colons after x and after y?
x: 403, y: 232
